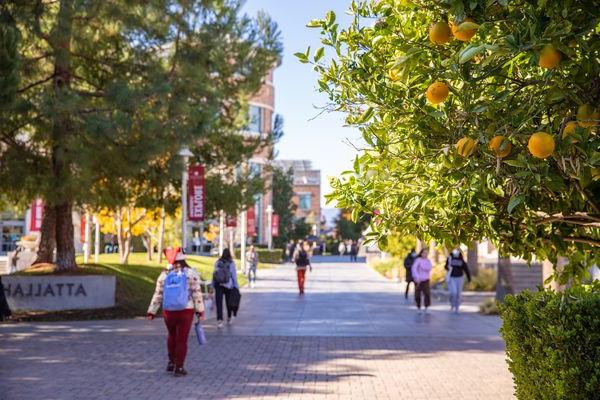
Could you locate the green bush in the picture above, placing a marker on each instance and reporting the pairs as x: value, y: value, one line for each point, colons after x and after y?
x: 553, y: 343
x: 267, y: 256
x: 386, y: 267
x: 485, y: 281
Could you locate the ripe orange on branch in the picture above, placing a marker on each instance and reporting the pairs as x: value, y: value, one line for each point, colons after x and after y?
x: 500, y: 146
x: 466, y: 146
x: 465, y: 30
x: 541, y: 145
x: 549, y: 57
x: 439, y: 33
x: 437, y: 92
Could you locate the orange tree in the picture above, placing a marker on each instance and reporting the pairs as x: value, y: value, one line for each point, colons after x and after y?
x: 479, y: 119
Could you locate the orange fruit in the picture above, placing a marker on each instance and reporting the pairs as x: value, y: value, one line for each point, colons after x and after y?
x: 500, y: 146
x: 439, y: 33
x: 549, y: 57
x: 570, y: 128
x: 465, y: 32
x: 587, y: 116
x: 541, y: 145
x: 437, y: 92
x: 466, y: 146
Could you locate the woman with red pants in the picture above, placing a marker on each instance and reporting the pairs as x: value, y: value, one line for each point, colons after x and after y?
x: 302, y: 259
x: 178, y: 292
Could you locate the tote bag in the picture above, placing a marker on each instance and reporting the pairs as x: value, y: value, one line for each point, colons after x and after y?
x: 200, y: 333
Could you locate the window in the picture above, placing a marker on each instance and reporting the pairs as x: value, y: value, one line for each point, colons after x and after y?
x: 255, y: 170
x: 255, y: 122
x: 305, y: 201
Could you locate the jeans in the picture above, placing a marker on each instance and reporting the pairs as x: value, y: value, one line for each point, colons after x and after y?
x: 252, y: 273
x: 221, y: 291
x: 178, y: 324
x: 423, y: 287
x: 455, y: 286
x: 301, y: 278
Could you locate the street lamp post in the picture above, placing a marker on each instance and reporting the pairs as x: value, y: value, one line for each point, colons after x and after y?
x: 221, y: 232
x: 185, y: 153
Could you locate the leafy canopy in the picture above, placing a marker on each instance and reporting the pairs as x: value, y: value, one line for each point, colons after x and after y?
x: 410, y: 172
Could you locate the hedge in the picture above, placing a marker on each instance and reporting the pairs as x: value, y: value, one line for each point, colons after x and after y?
x: 553, y: 343
x: 274, y: 256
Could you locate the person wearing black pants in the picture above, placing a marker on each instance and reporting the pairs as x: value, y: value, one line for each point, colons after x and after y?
x: 224, y: 280
x: 408, y: 262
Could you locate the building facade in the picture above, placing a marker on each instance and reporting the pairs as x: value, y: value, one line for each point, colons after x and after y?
x: 307, y: 190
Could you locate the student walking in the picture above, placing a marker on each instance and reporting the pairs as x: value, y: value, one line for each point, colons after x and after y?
x: 252, y: 265
x: 224, y: 280
x: 289, y: 251
x: 302, y: 260
x: 178, y: 292
x: 457, y: 268
x: 408, y: 262
x: 353, y: 251
x: 421, y: 271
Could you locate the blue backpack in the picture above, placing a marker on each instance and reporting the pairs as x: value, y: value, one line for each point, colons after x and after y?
x: 175, y: 291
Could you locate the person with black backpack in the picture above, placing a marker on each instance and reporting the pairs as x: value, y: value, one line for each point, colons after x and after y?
x: 302, y: 260
x: 225, y: 282
x: 179, y: 294
x: 408, y: 262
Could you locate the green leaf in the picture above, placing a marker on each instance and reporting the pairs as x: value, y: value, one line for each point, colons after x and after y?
x: 470, y: 52
x: 514, y: 202
x: 365, y: 116
x: 515, y: 163
x: 319, y: 54
x: 302, y: 57
x: 314, y: 23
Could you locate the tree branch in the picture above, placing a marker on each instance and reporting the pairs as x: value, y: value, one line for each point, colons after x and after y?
x: 36, y: 84
x: 591, y: 242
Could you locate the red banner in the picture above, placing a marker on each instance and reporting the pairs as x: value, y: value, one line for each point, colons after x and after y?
x: 82, y: 228
x: 275, y: 225
x: 251, y: 221
x: 37, y: 214
x: 231, y: 221
x: 196, y: 193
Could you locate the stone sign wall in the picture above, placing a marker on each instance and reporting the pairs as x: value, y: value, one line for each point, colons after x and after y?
x: 52, y: 293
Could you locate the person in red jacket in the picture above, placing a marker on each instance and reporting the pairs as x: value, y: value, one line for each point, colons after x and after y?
x: 178, y: 322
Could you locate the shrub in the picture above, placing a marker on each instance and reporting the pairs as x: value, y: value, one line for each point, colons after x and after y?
x: 489, y: 307
x: 553, y: 343
x: 485, y: 281
x: 274, y: 256
x: 386, y: 267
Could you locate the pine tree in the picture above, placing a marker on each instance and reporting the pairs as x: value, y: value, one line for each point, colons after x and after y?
x: 108, y: 92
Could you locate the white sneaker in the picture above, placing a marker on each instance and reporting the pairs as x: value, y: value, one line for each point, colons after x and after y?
x: 426, y: 311
x: 230, y: 321
x: 252, y: 285
x: 420, y: 312
x: 220, y: 324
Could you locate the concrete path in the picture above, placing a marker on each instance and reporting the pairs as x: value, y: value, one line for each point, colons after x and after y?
x: 352, y: 336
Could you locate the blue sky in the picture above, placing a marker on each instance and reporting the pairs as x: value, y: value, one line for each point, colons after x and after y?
x: 323, y: 139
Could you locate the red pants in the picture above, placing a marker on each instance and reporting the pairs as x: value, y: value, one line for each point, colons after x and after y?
x: 178, y: 324
x: 301, y: 278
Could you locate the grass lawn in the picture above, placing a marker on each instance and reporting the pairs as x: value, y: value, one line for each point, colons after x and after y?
x: 135, y: 286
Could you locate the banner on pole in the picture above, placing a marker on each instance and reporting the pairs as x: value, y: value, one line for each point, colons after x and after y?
x: 231, y: 221
x: 37, y: 214
x: 251, y: 221
x: 82, y: 226
x: 196, y: 193
x: 275, y: 225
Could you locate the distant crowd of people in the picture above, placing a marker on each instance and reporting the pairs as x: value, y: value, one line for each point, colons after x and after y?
x: 418, y: 272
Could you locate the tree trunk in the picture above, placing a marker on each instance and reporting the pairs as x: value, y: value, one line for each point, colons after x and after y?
x: 124, y: 254
x: 504, y: 284
x: 62, y: 127
x: 473, y: 258
x: 65, y: 248
x: 161, y: 235
x: 149, y: 245
x: 45, y: 254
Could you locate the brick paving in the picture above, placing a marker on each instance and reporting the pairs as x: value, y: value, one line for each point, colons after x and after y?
x: 351, y: 337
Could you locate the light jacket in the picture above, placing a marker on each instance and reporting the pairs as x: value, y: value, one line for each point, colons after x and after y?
x: 421, y: 269
x: 195, y: 301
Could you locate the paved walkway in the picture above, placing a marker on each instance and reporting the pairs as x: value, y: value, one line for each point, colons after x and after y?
x: 352, y: 336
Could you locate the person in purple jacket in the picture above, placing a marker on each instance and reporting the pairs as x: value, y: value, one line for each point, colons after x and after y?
x: 421, y: 271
